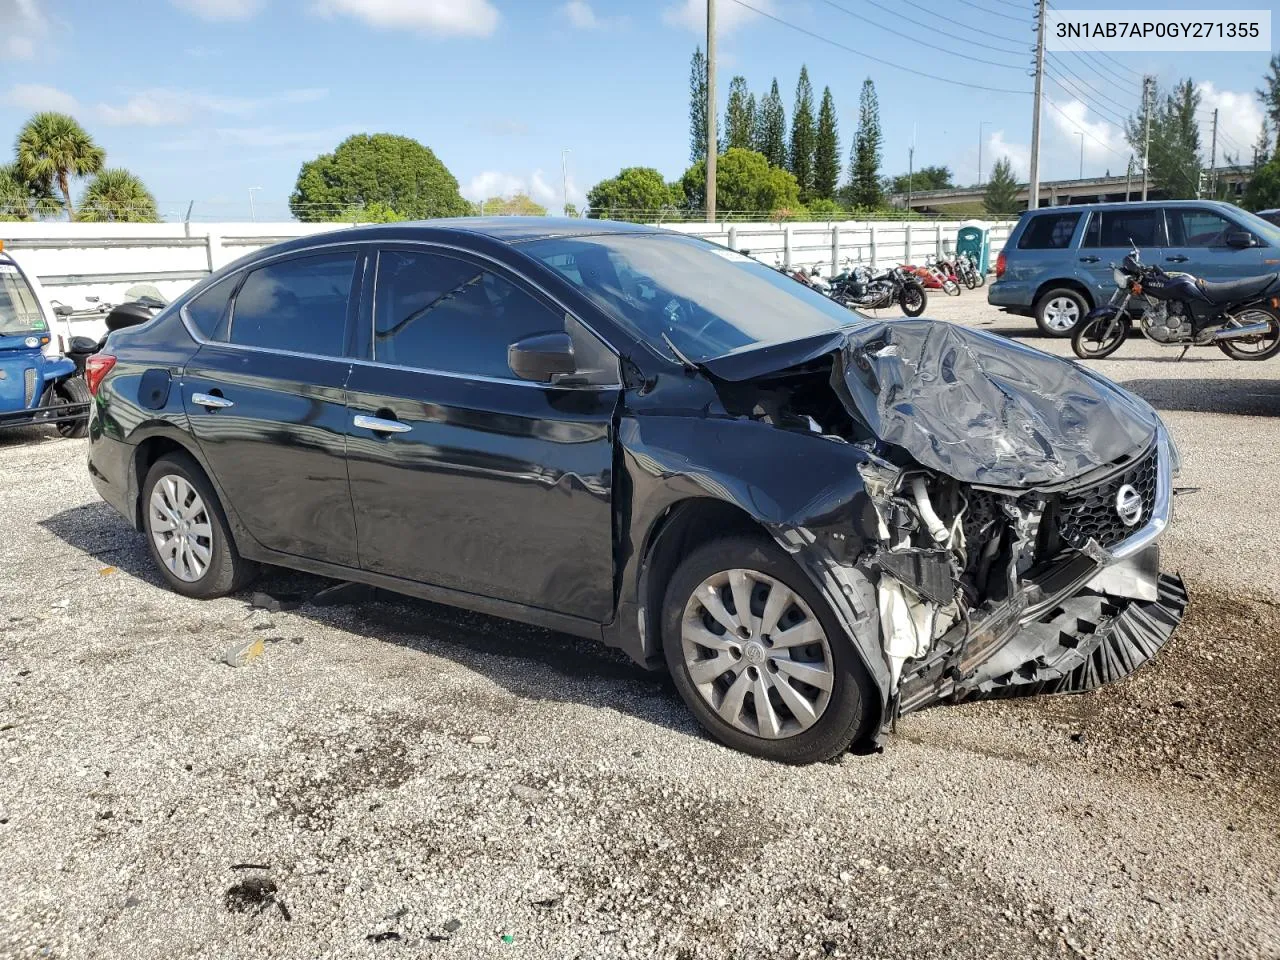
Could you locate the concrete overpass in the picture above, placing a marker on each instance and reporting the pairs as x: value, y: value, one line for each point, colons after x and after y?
x: 1058, y: 192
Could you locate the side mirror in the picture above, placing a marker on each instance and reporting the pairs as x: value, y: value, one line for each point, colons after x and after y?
x: 542, y: 357
x: 63, y: 310
x: 1240, y: 239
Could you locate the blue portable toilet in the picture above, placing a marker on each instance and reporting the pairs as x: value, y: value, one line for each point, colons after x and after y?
x: 974, y: 237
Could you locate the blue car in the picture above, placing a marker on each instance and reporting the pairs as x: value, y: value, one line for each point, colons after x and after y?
x: 35, y: 389
x: 1056, y: 265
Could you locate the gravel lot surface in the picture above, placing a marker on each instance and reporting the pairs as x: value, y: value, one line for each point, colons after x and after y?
x: 398, y: 779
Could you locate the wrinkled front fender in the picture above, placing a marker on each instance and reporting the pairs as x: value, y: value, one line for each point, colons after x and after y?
x: 57, y: 368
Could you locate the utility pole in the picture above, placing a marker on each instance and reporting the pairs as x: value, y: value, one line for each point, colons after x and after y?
x: 1033, y: 187
x: 564, y: 178
x: 252, y: 214
x: 1213, y: 158
x: 984, y: 123
x: 911, y: 171
x: 1128, y: 178
x: 711, y: 111
x: 1148, y: 94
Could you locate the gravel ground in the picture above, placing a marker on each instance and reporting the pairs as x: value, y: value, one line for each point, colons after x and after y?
x: 399, y: 779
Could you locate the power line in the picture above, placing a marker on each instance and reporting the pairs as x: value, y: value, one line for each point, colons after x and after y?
x: 1080, y: 126
x: 1096, y: 63
x: 1016, y: 6
x: 986, y: 10
x: 880, y: 60
x: 906, y: 36
x: 1127, y: 108
x: 1104, y: 55
x: 1103, y: 113
x: 958, y: 23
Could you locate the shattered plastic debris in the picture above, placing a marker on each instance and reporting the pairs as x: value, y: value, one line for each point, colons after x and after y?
x: 242, y: 654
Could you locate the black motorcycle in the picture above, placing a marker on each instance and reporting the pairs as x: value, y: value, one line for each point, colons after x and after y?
x: 1240, y: 317
x: 859, y: 290
x: 127, y: 314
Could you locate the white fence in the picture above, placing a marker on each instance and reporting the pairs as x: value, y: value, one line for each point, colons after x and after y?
x: 75, y: 261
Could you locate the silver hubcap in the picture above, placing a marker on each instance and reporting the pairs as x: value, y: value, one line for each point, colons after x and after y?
x: 1061, y: 313
x: 757, y: 654
x: 180, y: 528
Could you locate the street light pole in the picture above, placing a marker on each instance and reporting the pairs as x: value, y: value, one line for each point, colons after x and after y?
x: 252, y: 214
x: 564, y: 178
x: 984, y: 123
x: 1080, y: 134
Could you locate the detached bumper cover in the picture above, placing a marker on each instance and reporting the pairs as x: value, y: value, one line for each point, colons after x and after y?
x: 43, y: 416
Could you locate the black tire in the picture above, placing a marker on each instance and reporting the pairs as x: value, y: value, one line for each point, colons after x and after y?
x: 847, y: 713
x: 1267, y: 346
x: 1110, y: 338
x: 226, y: 570
x: 913, y: 300
x: 1050, y: 310
x: 69, y: 391
x: 970, y: 280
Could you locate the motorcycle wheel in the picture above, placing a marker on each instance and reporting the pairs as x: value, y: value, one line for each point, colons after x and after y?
x: 951, y: 288
x: 970, y: 280
x: 913, y: 299
x: 1255, y: 348
x: 1099, y: 337
x: 982, y: 278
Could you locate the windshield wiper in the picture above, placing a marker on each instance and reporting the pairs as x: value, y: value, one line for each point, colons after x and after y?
x: 685, y: 362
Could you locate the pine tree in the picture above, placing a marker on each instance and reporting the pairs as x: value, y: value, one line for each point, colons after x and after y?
x: 803, y: 137
x: 771, y: 128
x: 1175, y: 141
x: 739, y: 116
x: 1001, y: 198
x: 826, y: 153
x: 864, y: 165
x: 1269, y: 97
x: 697, y: 107
x: 1262, y: 146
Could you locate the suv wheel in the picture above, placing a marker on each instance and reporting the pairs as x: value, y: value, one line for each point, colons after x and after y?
x: 758, y: 656
x: 1059, y: 311
x: 187, y: 532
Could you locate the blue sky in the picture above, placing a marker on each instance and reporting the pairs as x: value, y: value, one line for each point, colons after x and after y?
x: 206, y: 99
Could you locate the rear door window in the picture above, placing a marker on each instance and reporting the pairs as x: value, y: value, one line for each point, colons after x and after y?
x: 1123, y: 228
x: 298, y: 305
x: 207, y: 311
x: 1049, y: 231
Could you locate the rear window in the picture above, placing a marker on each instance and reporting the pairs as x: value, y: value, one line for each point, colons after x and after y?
x: 1124, y: 228
x: 1049, y: 231
x: 206, y: 310
x: 296, y: 305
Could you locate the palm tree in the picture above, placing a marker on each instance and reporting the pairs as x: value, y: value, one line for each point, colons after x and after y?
x: 54, y: 148
x: 117, y: 195
x: 20, y: 200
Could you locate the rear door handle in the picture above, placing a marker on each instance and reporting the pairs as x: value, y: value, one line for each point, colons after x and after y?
x: 1090, y: 259
x: 1177, y: 258
x: 210, y: 402
x: 378, y: 425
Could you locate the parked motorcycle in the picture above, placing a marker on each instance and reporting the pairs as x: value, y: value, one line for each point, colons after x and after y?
x: 858, y: 288
x: 1240, y: 317
x: 128, y: 314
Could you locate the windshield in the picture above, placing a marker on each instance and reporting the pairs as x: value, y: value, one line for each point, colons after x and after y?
x: 704, y: 300
x: 19, y: 311
x: 1268, y: 231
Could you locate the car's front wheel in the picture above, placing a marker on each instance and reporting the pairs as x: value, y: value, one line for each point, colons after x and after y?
x: 187, y: 532
x: 758, y: 656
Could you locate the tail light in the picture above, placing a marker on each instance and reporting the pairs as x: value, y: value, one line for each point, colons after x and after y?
x: 95, y: 368
x: 1001, y: 263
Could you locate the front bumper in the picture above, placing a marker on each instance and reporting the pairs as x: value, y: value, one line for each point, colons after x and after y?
x: 45, y: 416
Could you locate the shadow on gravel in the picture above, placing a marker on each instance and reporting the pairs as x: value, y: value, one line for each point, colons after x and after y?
x: 527, y: 661
x: 1254, y: 398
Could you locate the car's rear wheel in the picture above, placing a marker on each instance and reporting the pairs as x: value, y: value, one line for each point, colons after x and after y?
x: 187, y: 531
x: 758, y: 656
x: 1059, y: 311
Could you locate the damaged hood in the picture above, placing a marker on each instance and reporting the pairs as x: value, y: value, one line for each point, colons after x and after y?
x: 972, y: 405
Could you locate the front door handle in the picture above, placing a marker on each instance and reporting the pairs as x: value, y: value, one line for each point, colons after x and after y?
x: 210, y: 402
x: 378, y: 425
x: 1090, y: 259
x: 1177, y: 258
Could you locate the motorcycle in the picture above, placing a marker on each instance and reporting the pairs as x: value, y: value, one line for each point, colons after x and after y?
x: 857, y: 288
x: 121, y: 315
x: 1240, y: 317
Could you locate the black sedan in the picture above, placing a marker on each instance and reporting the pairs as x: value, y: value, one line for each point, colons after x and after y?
x: 816, y: 521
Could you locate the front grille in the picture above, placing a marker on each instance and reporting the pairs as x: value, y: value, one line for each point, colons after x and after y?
x: 1091, y: 514
x: 29, y: 383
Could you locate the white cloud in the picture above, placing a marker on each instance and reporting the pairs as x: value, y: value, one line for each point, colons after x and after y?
x: 583, y: 16
x: 498, y: 183
x: 36, y: 97
x: 1239, y: 120
x: 997, y: 148
x: 692, y: 15
x: 164, y: 106
x: 1104, y: 142
x: 477, y: 18
x: 262, y: 138
x: 220, y: 9
x: 22, y: 26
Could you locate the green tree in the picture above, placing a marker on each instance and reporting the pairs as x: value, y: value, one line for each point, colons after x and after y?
x: 1001, y: 197
x: 803, y: 136
x: 826, y: 152
x: 636, y: 193
x: 53, y: 149
x: 864, y: 166
x: 1269, y: 97
x: 824, y: 209
x: 739, y: 116
x: 1263, y: 189
x: 571, y: 210
x: 926, y: 178
x: 744, y: 182
x: 15, y: 197
x: 771, y: 127
x: 116, y: 195
x: 697, y: 106
x: 376, y: 212
x: 519, y: 205
x: 1262, y: 146
x: 1175, y: 141
x: 377, y: 168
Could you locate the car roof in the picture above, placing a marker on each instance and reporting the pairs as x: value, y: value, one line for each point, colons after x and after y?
x: 1118, y: 205
x: 508, y: 229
